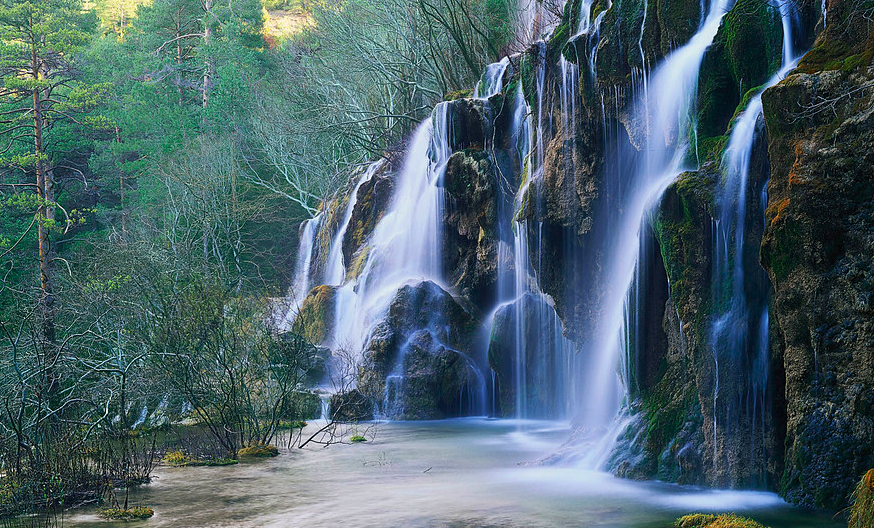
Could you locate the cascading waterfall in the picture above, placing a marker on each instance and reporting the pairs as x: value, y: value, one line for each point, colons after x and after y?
x: 665, y: 107
x: 300, y: 284
x: 404, y: 248
x: 405, y: 244
x: 585, y: 381
x: 739, y: 332
x: 492, y: 81
x: 335, y: 271
x: 586, y: 16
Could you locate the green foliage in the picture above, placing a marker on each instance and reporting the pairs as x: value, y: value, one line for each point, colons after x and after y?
x: 357, y: 439
x: 180, y: 146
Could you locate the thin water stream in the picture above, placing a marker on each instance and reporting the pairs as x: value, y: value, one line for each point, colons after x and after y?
x: 455, y: 473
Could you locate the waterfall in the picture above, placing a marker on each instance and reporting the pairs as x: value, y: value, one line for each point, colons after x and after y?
x: 665, y: 108
x: 586, y: 16
x: 552, y: 376
x: 300, y: 284
x: 405, y: 245
x: 739, y: 330
x: 335, y: 270
x: 492, y: 81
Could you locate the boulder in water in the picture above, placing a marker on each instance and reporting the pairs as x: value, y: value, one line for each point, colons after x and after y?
x: 417, y: 363
x: 351, y: 406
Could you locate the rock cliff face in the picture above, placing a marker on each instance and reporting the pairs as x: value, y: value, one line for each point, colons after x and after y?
x: 789, y: 405
x: 818, y: 248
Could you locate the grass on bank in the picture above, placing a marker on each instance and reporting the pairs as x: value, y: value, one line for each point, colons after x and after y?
x: 862, y: 511
x: 730, y: 520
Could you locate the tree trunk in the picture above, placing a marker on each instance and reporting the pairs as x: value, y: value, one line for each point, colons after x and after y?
x: 178, y: 36
x: 46, y: 214
x: 207, y: 34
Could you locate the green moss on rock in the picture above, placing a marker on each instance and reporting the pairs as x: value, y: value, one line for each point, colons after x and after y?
x: 458, y: 94
x: 258, y: 451
x: 678, y: 21
x: 745, y: 53
x: 315, y: 319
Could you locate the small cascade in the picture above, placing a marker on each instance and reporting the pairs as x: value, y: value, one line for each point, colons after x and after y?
x: 300, y: 285
x: 325, y: 406
x: 335, y: 270
x: 569, y: 92
x: 492, y: 81
x: 586, y: 16
x: 544, y: 364
x: 739, y: 330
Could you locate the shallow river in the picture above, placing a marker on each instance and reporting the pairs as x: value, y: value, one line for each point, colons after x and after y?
x: 455, y: 473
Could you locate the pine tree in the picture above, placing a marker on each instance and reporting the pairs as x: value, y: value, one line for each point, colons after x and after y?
x: 40, y: 93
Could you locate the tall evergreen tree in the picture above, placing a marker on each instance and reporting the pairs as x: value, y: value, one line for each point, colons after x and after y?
x: 39, y: 94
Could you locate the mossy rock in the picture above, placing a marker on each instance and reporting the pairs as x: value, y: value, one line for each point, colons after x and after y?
x: 831, y: 54
x: 258, y: 451
x: 357, y: 439
x: 618, y: 51
x: 315, y: 319
x: 678, y: 21
x: 700, y: 520
x: 458, y: 94
x: 745, y: 53
x: 753, y: 39
x: 351, y: 406
x: 129, y: 514
x: 680, y: 227
x: 287, y: 425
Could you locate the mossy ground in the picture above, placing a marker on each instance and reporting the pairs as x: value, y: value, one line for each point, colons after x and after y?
x: 699, y: 520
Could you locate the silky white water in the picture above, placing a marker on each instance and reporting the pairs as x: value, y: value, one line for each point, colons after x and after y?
x: 739, y: 334
x: 666, y: 110
x: 405, y: 245
x: 335, y: 271
x: 492, y: 81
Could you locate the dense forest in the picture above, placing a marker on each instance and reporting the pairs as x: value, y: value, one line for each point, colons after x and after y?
x: 234, y: 228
